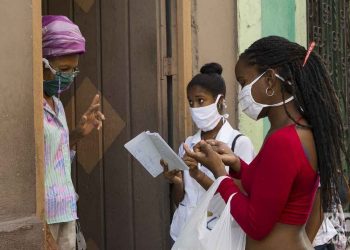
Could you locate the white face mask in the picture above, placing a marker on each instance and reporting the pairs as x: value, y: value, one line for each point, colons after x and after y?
x: 249, y: 106
x: 206, y: 118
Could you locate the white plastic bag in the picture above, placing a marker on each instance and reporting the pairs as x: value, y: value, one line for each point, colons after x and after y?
x: 226, y: 234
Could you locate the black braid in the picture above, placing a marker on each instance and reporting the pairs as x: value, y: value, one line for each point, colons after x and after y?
x: 315, y: 98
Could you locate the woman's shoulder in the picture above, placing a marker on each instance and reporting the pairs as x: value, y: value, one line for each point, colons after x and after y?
x: 238, y: 135
x: 195, y: 137
x: 227, y: 132
x: 244, y: 148
x: 282, y: 138
x: 244, y: 140
x: 58, y: 102
x: 189, y: 141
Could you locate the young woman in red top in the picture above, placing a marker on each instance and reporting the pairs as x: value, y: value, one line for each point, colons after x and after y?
x: 304, y: 144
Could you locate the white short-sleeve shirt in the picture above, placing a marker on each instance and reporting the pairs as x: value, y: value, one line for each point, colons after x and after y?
x: 193, y: 190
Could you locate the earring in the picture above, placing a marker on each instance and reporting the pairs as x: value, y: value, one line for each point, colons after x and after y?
x: 224, y: 104
x: 269, y: 93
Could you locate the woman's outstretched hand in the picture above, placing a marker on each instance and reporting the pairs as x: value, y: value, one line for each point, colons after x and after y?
x: 92, y: 118
x: 195, y: 172
x: 204, y: 154
x: 226, y: 154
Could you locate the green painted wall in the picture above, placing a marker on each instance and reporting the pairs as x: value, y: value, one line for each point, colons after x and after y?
x: 259, y: 18
x: 249, y: 30
x: 278, y: 18
x: 301, y: 22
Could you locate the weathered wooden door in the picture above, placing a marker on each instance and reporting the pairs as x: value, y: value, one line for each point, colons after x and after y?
x: 120, y: 205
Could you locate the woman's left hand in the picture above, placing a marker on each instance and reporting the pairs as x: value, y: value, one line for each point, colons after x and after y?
x: 92, y: 118
x: 193, y: 167
x: 204, y: 154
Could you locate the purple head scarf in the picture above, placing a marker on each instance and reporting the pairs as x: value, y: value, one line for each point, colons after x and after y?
x: 61, y: 37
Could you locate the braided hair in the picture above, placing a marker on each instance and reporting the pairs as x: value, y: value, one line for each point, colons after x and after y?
x: 315, y: 99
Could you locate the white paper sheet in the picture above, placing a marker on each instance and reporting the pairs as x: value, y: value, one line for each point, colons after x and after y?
x: 148, y: 148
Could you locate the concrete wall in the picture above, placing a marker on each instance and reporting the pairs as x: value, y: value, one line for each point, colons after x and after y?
x: 21, y: 133
x: 214, y: 40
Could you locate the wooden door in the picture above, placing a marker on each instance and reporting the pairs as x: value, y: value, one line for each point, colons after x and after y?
x: 120, y: 205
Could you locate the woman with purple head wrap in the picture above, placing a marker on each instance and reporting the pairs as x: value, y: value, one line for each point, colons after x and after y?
x: 61, y: 37
x: 62, y: 45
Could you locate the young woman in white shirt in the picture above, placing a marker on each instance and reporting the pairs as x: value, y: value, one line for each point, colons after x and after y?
x: 206, y: 96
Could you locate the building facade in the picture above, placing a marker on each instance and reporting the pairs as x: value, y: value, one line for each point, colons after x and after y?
x: 140, y: 56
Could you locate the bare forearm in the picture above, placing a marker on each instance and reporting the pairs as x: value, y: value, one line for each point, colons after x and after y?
x: 234, y: 164
x: 177, y: 193
x: 204, y: 181
x: 74, y: 137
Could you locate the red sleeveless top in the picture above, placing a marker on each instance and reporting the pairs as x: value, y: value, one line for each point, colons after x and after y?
x: 280, y: 183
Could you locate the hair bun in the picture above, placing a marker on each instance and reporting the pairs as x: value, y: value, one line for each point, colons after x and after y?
x: 211, y: 68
